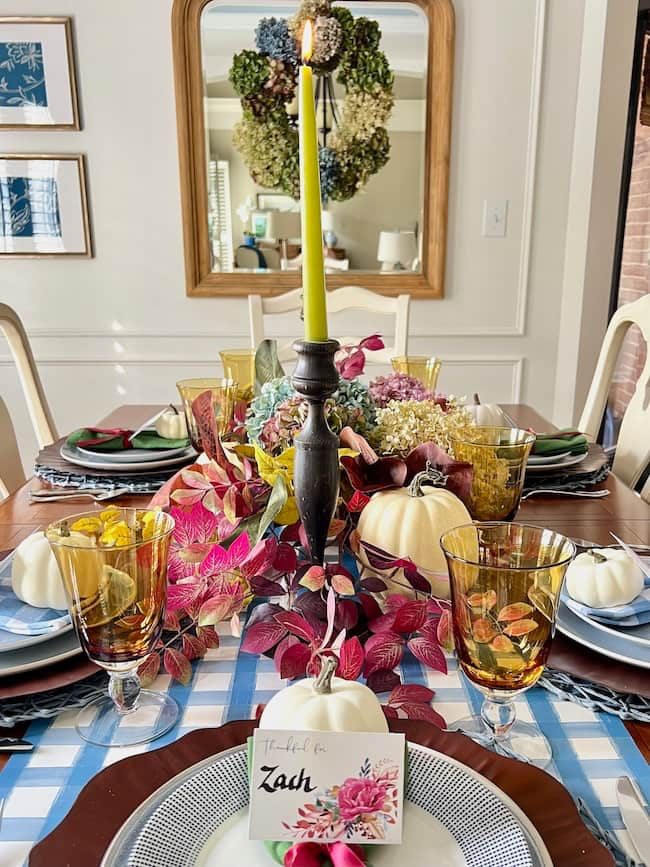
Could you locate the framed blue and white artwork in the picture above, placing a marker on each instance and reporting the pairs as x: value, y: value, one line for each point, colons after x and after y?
x: 43, y: 206
x: 37, y: 74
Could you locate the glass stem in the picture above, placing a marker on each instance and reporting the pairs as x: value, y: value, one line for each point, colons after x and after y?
x: 124, y: 689
x: 498, y: 715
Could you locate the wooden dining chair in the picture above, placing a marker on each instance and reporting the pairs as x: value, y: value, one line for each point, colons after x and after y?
x: 338, y: 300
x: 633, y: 447
x: 30, y: 381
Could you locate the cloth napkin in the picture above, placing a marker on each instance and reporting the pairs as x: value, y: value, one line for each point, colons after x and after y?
x: 21, y: 619
x: 635, y: 613
x: 559, y: 442
x: 117, y: 439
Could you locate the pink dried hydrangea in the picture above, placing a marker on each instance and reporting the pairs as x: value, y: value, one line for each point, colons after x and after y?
x: 398, y: 386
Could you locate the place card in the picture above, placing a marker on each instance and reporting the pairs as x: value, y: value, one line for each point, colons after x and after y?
x: 326, y: 786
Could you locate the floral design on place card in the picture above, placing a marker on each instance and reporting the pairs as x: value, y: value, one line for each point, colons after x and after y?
x: 362, y: 806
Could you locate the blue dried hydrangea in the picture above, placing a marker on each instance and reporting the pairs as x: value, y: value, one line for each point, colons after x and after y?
x: 265, y: 405
x: 328, y: 165
x: 355, y: 397
x: 272, y: 38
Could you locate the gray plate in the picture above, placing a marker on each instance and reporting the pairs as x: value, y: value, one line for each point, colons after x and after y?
x: 10, y: 641
x: 39, y: 655
x: 171, y: 828
x: 102, y: 462
x: 610, y: 643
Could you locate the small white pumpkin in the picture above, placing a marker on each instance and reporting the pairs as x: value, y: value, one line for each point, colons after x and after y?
x: 408, y: 522
x: 325, y: 704
x: 171, y: 425
x: 603, y: 578
x: 486, y: 414
x: 35, y: 576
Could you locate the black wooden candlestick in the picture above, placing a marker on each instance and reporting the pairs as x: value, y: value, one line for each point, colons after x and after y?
x: 316, y: 469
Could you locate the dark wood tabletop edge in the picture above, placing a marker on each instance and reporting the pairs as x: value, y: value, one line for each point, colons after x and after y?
x: 114, y: 793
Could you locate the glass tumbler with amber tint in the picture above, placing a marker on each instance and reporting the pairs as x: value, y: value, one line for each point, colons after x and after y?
x: 505, y: 581
x: 423, y: 367
x: 499, y: 456
x: 239, y: 366
x: 114, y: 569
x: 223, y: 393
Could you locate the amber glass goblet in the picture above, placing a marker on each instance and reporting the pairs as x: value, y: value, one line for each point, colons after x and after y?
x: 499, y: 456
x: 505, y: 581
x: 239, y: 365
x: 422, y: 367
x: 223, y: 392
x: 114, y: 570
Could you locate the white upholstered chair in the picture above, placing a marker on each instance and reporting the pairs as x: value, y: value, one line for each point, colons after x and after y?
x: 633, y: 446
x: 39, y: 412
x: 345, y: 298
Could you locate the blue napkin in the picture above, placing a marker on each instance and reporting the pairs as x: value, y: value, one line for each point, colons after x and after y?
x: 18, y: 618
x: 635, y: 613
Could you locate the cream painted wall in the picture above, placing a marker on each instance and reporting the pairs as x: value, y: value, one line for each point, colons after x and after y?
x: 118, y: 328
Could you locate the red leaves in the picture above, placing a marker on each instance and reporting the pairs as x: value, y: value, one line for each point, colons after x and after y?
x: 350, y: 659
x: 428, y: 652
x: 177, y: 666
x: 358, y: 502
x: 262, y: 636
x: 383, y: 650
x: 383, y: 680
x: 148, y: 669
x: 296, y: 625
x: 352, y: 359
x: 294, y: 660
x: 413, y: 701
x: 483, y: 630
x: 411, y: 616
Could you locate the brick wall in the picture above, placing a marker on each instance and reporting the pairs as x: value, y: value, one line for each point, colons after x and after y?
x: 635, y: 272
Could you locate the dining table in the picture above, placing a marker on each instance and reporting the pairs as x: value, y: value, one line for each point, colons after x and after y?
x: 622, y: 512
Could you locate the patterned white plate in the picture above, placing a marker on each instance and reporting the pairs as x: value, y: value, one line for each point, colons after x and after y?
x: 568, y: 461
x: 454, y: 818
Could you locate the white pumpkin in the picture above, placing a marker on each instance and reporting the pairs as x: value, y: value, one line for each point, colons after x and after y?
x: 408, y: 522
x: 603, y: 578
x: 326, y: 704
x: 486, y: 414
x: 171, y: 425
x: 35, y: 576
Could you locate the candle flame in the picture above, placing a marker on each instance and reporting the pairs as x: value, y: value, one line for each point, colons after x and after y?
x: 307, y: 41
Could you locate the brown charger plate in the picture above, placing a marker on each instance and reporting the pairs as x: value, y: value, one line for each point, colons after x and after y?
x: 56, y: 676
x: 573, y: 658
x: 107, y: 801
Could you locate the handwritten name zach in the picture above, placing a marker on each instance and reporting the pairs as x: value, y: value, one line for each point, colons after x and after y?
x: 273, y: 782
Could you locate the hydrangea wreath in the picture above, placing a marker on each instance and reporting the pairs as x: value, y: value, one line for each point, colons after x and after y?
x: 266, y: 81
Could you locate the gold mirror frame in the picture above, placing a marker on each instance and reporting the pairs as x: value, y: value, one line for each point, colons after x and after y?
x: 188, y: 75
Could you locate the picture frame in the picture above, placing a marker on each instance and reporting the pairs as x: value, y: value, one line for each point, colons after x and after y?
x: 43, y: 206
x: 38, y: 88
x: 276, y: 202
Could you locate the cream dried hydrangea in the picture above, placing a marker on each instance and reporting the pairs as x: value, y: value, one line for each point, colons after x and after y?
x: 402, y: 425
x: 364, y: 113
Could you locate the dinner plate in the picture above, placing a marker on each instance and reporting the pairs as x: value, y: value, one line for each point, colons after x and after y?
x: 569, y: 461
x: 634, y: 634
x: 39, y: 655
x: 134, y: 456
x: 538, y: 460
x: 104, y: 462
x: 200, y: 819
x: 613, y: 644
x: 10, y: 641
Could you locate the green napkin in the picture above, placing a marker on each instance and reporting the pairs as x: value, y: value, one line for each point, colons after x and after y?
x: 117, y: 440
x: 558, y: 442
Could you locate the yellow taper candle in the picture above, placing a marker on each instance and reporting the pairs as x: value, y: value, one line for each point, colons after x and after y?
x: 313, y: 273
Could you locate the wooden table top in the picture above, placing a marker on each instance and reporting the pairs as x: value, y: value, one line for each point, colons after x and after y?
x: 622, y: 512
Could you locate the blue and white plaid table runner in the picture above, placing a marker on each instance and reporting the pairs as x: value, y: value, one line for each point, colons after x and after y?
x: 590, y: 749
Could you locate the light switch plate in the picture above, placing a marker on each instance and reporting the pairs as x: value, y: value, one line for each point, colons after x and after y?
x: 495, y: 218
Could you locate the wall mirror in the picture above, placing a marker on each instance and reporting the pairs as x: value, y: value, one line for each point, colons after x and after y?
x: 385, y: 184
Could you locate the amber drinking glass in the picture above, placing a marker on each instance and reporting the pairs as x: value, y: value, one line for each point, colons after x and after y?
x: 499, y: 456
x: 505, y: 583
x: 422, y: 367
x: 239, y: 365
x: 224, y: 393
x: 114, y: 569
